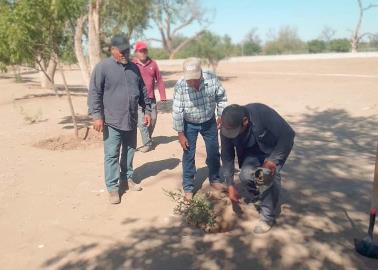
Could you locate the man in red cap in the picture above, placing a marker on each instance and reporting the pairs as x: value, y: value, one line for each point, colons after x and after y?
x: 151, y: 77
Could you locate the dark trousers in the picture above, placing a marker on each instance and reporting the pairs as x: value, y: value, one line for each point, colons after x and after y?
x: 209, y: 132
x: 270, y: 197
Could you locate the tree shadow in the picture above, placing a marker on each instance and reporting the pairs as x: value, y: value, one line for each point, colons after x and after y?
x: 153, y: 168
x: 158, y: 140
x: 83, y: 121
x: 327, y: 188
x: 165, y: 73
x: 226, y: 78
x: 169, y: 83
x: 165, y: 107
x: 46, y: 95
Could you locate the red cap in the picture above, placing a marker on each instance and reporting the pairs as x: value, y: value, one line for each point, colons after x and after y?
x: 140, y: 45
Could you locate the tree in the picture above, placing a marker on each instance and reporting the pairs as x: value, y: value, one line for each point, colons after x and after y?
x: 251, y: 45
x: 125, y: 16
x: 287, y: 41
x: 99, y: 20
x: 316, y: 46
x: 327, y: 34
x: 340, y: 45
x: 357, y: 35
x: 211, y: 48
x: 171, y: 16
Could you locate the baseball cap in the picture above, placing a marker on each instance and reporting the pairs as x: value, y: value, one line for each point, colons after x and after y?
x: 121, y: 42
x: 232, y: 120
x: 140, y: 45
x: 192, y: 69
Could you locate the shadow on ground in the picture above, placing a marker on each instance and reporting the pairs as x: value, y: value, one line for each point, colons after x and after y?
x: 165, y: 107
x: 158, y: 140
x: 153, y: 168
x: 327, y: 189
x: 83, y: 121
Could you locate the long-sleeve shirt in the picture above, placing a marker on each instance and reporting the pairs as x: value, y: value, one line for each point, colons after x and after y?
x: 151, y: 77
x: 198, y: 106
x: 268, y: 134
x: 115, y: 90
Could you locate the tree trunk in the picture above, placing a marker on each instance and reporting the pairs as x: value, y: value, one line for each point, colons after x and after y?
x: 79, y: 50
x: 94, y: 47
x: 72, y: 111
x: 47, y: 77
x: 354, y: 44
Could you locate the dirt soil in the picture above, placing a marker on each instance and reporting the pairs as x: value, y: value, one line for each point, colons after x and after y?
x: 54, y: 210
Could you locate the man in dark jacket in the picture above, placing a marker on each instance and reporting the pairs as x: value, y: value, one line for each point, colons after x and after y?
x: 263, y: 140
x: 116, y: 88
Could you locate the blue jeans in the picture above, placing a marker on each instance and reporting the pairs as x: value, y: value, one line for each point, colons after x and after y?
x: 270, y: 197
x: 146, y: 132
x: 209, y: 132
x: 119, y: 149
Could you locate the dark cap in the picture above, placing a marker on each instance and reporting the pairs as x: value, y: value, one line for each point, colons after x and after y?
x: 232, y: 120
x: 121, y: 42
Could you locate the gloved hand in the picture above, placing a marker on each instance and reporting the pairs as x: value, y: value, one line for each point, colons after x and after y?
x: 233, y: 194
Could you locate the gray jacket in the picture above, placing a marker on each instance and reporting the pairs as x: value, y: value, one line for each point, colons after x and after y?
x: 268, y: 135
x: 115, y: 90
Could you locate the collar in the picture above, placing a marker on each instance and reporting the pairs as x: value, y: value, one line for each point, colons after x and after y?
x: 138, y: 62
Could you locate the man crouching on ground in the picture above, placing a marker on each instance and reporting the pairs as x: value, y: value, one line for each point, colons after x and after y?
x: 263, y: 140
x: 115, y: 90
x: 195, y: 100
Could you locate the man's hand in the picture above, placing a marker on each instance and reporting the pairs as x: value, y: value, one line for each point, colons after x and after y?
x: 183, y: 141
x: 98, y: 125
x: 147, y: 119
x: 268, y: 164
x: 233, y: 194
x: 219, y: 122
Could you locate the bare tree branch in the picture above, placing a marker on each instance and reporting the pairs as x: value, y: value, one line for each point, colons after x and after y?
x: 185, y: 24
x: 186, y: 42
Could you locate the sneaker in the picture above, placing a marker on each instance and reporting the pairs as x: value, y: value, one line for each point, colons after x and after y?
x: 114, y: 197
x: 134, y: 186
x: 145, y: 149
x: 263, y: 227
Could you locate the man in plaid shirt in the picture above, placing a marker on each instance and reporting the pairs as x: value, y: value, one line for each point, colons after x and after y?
x: 196, y: 98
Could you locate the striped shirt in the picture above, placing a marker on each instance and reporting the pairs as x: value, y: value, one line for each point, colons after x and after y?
x: 198, y: 106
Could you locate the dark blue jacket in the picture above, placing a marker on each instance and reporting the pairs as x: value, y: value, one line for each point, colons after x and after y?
x: 115, y: 90
x: 268, y: 134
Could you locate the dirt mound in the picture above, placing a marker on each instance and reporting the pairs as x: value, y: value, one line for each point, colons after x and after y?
x: 88, y: 138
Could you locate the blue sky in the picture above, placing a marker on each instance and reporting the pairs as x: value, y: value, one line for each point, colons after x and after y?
x: 237, y: 17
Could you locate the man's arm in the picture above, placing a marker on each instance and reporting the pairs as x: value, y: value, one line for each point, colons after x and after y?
x: 96, y: 93
x: 282, y: 131
x: 228, y: 159
x: 144, y: 99
x: 160, y: 83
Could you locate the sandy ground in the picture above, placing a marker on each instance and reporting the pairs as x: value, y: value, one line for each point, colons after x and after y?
x: 54, y: 213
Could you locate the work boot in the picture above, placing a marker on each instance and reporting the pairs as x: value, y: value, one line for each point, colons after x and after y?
x: 114, y: 197
x: 145, y: 148
x: 134, y: 186
x: 263, y: 226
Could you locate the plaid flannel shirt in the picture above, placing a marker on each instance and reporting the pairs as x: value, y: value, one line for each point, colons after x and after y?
x: 198, y: 106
